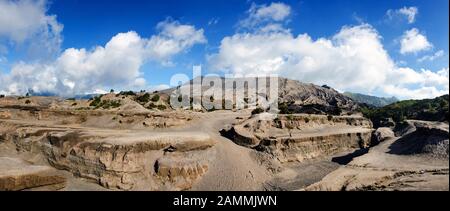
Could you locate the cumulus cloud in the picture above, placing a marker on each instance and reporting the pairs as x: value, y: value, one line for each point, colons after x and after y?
x: 354, y: 59
x: 431, y: 58
x: 431, y: 84
x: 260, y: 14
x: 26, y: 23
x: 349, y: 60
x: 173, y: 39
x: 435, y: 82
x: 409, y: 13
x: 413, y: 41
x: 117, y: 64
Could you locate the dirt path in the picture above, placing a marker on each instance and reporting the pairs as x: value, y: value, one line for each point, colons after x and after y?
x: 381, y: 170
x: 234, y: 167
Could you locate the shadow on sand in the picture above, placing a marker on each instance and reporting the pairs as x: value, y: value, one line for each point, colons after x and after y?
x: 344, y: 160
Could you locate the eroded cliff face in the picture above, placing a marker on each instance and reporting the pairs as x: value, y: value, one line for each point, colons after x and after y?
x: 417, y: 160
x: 16, y: 174
x: 300, y: 137
x: 117, y: 160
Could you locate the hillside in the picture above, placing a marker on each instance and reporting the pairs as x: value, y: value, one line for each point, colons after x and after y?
x: 371, y: 100
x: 428, y: 109
x: 293, y: 96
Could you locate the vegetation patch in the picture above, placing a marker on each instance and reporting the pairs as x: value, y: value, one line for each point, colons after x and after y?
x: 97, y: 103
x: 428, y: 110
x: 257, y: 111
x: 155, y: 98
x: 161, y: 107
x: 126, y: 93
x: 145, y: 98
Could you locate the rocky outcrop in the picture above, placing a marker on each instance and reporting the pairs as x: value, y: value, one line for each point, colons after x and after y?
x: 309, y: 147
x: 180, y: 170
x: 301, y: 137
x: 382, y: 134
x: 289, y: 91
x: 16, y: 174
x: 310, y: 94
x: 424, y: 138
x: 416, y: 161
x: 116, y: 160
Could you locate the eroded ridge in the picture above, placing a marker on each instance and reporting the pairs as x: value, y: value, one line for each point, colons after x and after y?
x: 301, y: 137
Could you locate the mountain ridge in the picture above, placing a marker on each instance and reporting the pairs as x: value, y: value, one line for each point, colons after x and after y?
x: 371, y: 100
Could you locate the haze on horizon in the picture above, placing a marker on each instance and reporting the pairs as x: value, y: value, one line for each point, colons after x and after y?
x: 76, y: 47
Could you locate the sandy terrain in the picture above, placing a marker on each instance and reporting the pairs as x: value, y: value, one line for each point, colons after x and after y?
x: 388, y: 167
x: 64, y: 148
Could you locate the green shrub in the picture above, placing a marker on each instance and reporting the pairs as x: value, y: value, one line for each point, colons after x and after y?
x: 151, y: 106
x: 82, y: 108
x: 155, y: 98
x: 27, y: 102
x: 115, y: 103
x: 161, y: 107
x: 284, y: 108
x: 95, y: 101
x: 144, y: 98
x: 127, y: 93
x: 257, y: 111
x: 105, y: 104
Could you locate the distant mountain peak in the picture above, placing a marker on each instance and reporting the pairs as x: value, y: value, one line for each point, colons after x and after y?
x: 371, y: 100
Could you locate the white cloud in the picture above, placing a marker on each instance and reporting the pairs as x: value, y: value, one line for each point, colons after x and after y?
x: 409, y: 13
x: 98, y: 92
x: 260, y: 14
x: 413, y: 41
x: 420, y: 93
x: 424, y: 78
x: 354, y: 59
x: 25, y: 23
x: 117, y: 64
x: 158, y: 87
x: 173, y: 39
x: 430, y: 58
x: 430, y: 84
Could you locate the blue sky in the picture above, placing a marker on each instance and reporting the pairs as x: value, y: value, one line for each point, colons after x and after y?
x: 88, y: 24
